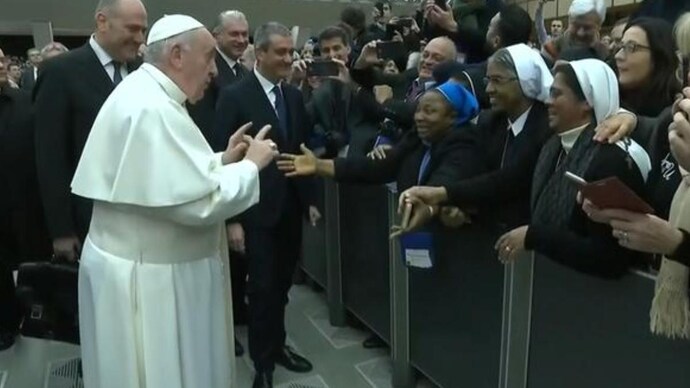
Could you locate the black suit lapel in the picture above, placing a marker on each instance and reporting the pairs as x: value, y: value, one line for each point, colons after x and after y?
x: 292, y: 109
x: 94, y: 70
x: 265, y: 107
x: 225, y: 74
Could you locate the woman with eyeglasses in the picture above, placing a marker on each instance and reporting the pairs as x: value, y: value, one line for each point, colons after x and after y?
x: 647, y: 67
x: 647, y: 77
x: 510, y: 137
x: 583, y: 94
x: 652, y: 233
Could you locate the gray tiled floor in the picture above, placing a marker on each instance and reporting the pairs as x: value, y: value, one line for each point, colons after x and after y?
x: 334, y: 351
x: 339, y: 359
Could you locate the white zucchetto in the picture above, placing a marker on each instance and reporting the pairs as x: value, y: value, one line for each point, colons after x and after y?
x: 171, y: 25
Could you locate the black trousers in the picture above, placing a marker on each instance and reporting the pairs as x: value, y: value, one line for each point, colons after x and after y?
x: 272, y: 255
x: 9, y: 306
x: 238, y: 271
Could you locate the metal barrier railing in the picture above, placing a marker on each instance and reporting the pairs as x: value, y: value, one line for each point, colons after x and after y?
x: 470, y: 322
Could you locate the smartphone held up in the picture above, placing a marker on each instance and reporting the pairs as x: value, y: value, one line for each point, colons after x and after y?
x: 322, y: 68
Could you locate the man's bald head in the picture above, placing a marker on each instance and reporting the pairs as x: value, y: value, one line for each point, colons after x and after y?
x: 438, y: 50
x: 120, y: 27
x: 108, y: 6
x: 188, y: 59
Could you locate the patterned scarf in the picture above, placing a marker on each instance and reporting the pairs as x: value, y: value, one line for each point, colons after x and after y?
x: 553, y: 196
x: 670, y: 313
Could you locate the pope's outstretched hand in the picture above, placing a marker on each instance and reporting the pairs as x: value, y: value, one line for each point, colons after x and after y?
x: 261, y: 151
x: 237, y: 145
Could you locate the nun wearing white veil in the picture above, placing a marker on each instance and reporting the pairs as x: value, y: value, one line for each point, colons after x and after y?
x: 510, y: 138
x: 584, y: 93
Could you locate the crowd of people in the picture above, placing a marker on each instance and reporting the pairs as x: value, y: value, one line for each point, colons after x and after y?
x: 158, y: 176
x: 22, y: 73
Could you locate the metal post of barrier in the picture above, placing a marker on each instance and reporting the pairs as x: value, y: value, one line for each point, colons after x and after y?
x: 403, y: 374
x: 336, y: 306
x: 517, y: 314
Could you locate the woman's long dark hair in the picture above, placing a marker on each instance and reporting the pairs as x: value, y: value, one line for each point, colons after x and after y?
x: 661, y: 89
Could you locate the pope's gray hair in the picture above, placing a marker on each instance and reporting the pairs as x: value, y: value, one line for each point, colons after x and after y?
x: 227, y: 16
x: 156, y: 52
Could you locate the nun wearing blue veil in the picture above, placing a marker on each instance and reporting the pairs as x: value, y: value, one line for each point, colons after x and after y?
x: 441, y: 150
x: 510, y: 136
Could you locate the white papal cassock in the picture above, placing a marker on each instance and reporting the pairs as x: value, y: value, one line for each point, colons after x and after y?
x: 154, y: 295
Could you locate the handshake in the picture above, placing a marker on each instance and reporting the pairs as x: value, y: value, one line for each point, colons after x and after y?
x: 258, y: 150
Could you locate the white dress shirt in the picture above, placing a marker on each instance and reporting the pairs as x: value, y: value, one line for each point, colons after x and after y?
x: 268, y: 87
x: 106, y: 60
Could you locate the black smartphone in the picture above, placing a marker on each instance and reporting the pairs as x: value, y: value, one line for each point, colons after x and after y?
x: 443, y: 4
x: 686, y: 71
x: 391, y: 29
x: 391, y: 50
x: 322, y: 69
x: 405, y: 22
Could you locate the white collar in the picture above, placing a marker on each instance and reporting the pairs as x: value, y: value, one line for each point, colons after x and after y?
x: 227, y: 59
x: 518, y: 125
x: 265, y: 83
x: 168, y: 85
x: 102, y: 55
x: 568, y: 138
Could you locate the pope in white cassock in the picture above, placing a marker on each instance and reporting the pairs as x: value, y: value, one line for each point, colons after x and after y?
x: 154, y: 295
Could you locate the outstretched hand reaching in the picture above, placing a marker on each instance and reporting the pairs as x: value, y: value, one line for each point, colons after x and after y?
x: 298, y: 165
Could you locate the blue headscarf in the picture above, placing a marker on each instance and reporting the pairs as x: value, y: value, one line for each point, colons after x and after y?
x: 463, y: 102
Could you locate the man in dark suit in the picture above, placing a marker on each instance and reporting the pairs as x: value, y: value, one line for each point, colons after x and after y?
x: 22, y: 231
x: 30, y: 74
x: 272, y: 229
x: 232, y: 37
x: 232, y: 34
x: 68, y: 95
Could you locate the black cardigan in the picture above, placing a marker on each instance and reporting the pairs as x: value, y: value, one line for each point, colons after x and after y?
x: 503, y: 191
x: 585, y: 245
x: 452, y: 158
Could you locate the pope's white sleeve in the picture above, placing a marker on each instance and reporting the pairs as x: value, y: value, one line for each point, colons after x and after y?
x: 238, y: 190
